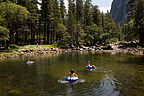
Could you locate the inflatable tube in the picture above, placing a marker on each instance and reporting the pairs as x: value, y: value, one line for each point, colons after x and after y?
x: 30, y: 62
x: 71, y: 79
x: 89, y: 67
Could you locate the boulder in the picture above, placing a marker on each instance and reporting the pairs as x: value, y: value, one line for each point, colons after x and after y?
x: 81, y: 49
x: 107, y: 47
x: 31, y: 50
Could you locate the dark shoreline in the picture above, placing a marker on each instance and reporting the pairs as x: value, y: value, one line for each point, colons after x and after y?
x: 52, y: 51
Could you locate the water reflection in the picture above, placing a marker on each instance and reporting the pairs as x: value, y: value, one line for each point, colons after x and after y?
x: 116, y: 74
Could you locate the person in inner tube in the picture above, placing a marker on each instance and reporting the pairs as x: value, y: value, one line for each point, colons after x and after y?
x: 30, y: 61
x: 91, y: 65
x: 72, y: 74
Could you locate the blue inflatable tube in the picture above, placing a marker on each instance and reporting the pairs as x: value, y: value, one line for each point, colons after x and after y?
x: 71, y: 79
x: 89, y: 67
x: 30, y: 62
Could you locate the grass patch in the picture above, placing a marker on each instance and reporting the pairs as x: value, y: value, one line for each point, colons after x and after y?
x: 6, y: 55
x: 14, y: 48
x: 20, y: 54
x: 34, y: 46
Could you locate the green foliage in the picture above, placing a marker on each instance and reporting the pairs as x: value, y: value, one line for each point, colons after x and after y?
x: 111, y: 30
x: 20, y: 54
x: 14, y: 92
x: 4, y: 33
x: 87, y: 13
x: 134, y: 24
x: 3, y: 21
x: 6, y: 55
x: 64, y: 42
x: 139, y: 20
x: 96, y: 16
x: 113, y: 40
x: 32, y: 8
x: 14, y: 46
x: 48, y: 18
x: 80, y: 35
x: 13, y: 13
x: 63, y: 11
x: 63, y: 36
x: 83, y: 24
x: 72, y: 21
x: 104, y: 37
x: 129, y: 32
x: 80, y: 11
x: 92, y: 34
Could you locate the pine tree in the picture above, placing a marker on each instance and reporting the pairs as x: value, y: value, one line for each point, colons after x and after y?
x: 44, y: 14
x: 80, y: 22
x: 57, y: 19
x: 33, y: 9
x: 139, y: 20
x: 103, y: 21
x: 96, y: 15
x: 80, y: 11
x: 47, y: 15
x: 71, y: 21
x: 88, y: 13
x: 31, y: 5
x: 63, y: 11
x: 111, y: 29
x: 50, y: 22
x: 25, y: 3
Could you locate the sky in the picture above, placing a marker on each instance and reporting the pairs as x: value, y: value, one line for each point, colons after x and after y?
x: 104, y: 5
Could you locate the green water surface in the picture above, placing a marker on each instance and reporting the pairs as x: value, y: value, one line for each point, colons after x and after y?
x: 116, y: 75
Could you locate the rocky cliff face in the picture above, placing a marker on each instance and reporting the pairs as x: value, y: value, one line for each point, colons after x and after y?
x: 118, y: 10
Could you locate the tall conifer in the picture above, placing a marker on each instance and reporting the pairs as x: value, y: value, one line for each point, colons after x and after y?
x: 139, y: 20
x: 88, y: 13
x: 71, y: 21
x: 63, y: 11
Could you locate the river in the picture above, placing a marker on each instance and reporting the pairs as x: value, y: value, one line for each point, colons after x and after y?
x: 115, y: 75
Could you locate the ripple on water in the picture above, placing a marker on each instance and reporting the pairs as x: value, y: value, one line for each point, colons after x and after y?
x: 63, y: 81
x: 100, y: 69
x: 107, y: 87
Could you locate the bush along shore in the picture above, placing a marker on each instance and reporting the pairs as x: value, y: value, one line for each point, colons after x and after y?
x: 32, y: 50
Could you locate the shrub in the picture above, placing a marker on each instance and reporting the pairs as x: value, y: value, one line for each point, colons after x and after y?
x: 14, y: 46
x: 20, y: 54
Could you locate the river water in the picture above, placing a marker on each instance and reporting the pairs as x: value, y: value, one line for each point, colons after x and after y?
x: 115, y: 75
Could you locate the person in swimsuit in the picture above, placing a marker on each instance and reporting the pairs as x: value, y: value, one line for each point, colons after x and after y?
x: 30, y: 61
x: 72, y: 74
x: 91, y: 65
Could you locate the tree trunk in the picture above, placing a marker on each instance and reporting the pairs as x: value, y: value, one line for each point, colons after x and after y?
x: 25, y: 41
x: 7, y: 44
x: 44, y: 35
x: 54, y: 34
x: 16, y: 41
x: 48, y: 31
x: 51, y: 35
x: 141, y: 41
x: 32, y: 33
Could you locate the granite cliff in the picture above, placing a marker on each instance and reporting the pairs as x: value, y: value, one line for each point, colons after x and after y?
x: 118, y: 10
